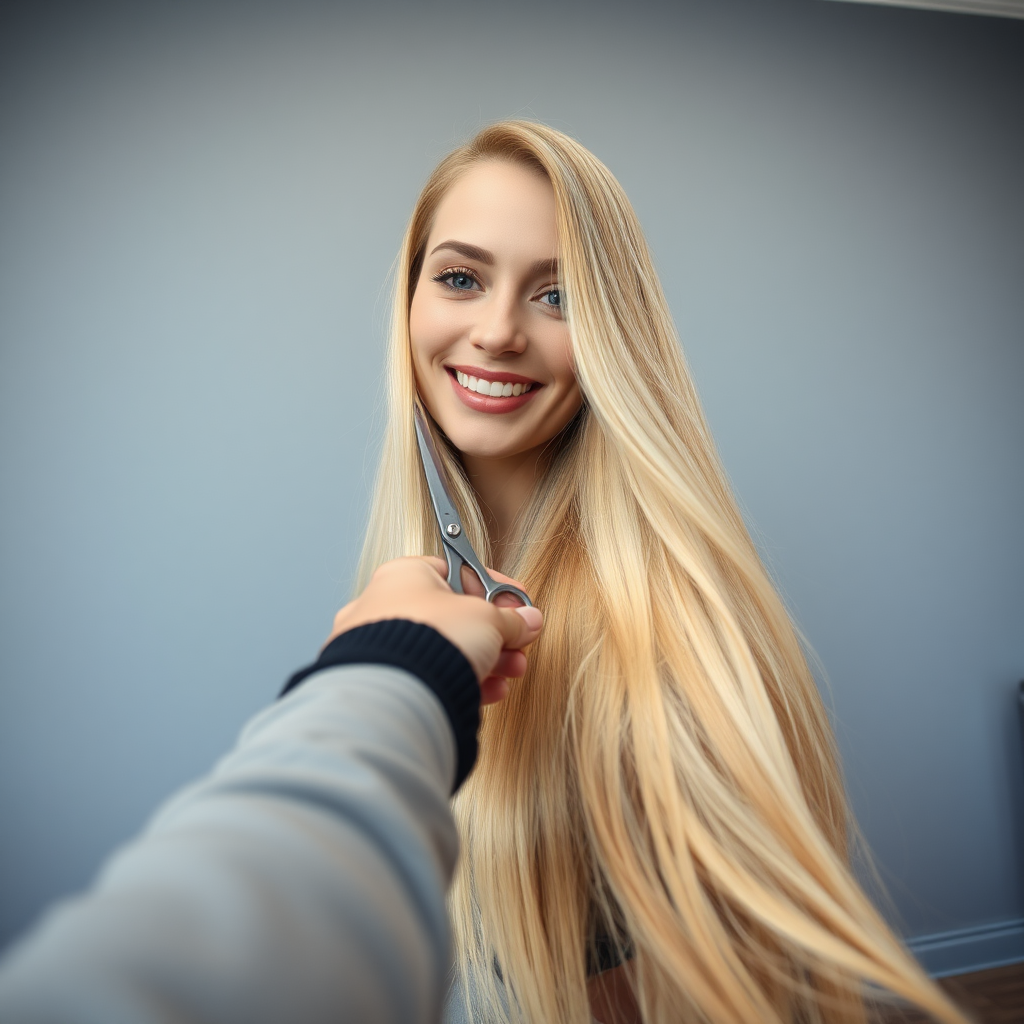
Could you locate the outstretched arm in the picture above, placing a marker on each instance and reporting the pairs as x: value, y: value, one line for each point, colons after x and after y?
x: 304, y: 878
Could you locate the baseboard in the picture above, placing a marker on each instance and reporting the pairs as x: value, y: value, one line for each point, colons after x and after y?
x: 970, y: 949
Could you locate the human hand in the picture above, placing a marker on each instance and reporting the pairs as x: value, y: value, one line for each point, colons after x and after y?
x: 491, y: 636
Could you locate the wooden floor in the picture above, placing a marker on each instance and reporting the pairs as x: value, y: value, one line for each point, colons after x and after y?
x: 987, y: 997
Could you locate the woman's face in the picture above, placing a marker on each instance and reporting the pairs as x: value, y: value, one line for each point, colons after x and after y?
x: 490, y: 346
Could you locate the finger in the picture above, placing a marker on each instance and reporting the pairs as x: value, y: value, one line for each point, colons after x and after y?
x: 502, y: 578
x: 519, y: 626
x: 507, y: 600
x: 471, y: 582
x: 493, y: 689
x: 511, y: 664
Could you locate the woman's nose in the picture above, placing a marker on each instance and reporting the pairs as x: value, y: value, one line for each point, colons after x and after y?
x: 498, y: 328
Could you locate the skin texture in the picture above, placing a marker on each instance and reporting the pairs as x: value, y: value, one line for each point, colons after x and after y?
x: 501, y: 315
x: 491, y: 636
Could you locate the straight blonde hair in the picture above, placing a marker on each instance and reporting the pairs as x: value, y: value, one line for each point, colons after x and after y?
x: 664, y: 780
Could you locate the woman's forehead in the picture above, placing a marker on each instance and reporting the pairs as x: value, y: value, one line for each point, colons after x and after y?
x: 504, y: 207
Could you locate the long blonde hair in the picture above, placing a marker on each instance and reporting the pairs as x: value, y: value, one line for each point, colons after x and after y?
x: 665, y: 776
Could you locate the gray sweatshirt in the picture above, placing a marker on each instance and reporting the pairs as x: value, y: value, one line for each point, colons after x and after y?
x: 303, y: 880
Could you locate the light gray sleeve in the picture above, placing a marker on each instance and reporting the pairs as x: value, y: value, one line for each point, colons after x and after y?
x: 302, y: 881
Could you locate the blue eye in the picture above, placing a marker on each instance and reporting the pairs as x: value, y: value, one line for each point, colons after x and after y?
x: 457, y: 278
x: 554, y: 298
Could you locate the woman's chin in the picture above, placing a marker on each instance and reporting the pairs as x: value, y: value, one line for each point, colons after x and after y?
x: 481, y: 441
x: 485, y: 449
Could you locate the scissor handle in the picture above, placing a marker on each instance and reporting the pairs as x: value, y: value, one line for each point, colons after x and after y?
x: 492, y: 588
x: 506, y: 588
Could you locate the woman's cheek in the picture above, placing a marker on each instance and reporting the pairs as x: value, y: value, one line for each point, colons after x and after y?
x: 430, y: 332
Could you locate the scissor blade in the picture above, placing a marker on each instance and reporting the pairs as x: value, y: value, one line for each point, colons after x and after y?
x: 457, y: 549
x: 444, y: 505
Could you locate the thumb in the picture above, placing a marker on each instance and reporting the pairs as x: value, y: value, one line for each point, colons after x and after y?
x: 519, y: 626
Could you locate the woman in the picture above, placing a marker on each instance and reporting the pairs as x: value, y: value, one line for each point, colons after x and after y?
x: 656, y: 829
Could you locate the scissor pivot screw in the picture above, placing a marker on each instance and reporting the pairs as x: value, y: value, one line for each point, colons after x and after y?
x: 453, y: 529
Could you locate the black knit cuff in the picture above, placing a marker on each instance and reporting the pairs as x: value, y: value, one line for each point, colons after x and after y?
x: 421, y: 650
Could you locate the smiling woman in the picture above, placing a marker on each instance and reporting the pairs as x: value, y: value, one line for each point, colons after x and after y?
x: 490, y: 342
x: 656, y: 829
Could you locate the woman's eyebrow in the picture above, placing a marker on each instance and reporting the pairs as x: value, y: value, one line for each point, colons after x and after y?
x: 485, y: 256
x: 471, y: 252
x: 545, y: 266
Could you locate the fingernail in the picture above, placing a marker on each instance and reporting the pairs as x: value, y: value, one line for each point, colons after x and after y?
x: 533, y: 617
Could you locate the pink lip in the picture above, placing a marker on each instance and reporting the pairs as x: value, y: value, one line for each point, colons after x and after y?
x: 489, y: 403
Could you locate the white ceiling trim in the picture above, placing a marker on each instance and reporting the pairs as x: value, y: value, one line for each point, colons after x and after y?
x: 998, y: 8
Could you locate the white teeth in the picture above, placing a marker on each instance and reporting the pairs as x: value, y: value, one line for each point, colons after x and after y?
x: 493, y: 389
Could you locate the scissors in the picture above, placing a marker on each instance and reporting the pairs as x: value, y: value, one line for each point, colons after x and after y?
x: 457, y: 549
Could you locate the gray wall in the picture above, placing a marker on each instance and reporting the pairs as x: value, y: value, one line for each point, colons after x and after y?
x: 199, y: 205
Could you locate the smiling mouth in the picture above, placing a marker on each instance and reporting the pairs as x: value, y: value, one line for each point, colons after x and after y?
x: 495, y: 387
